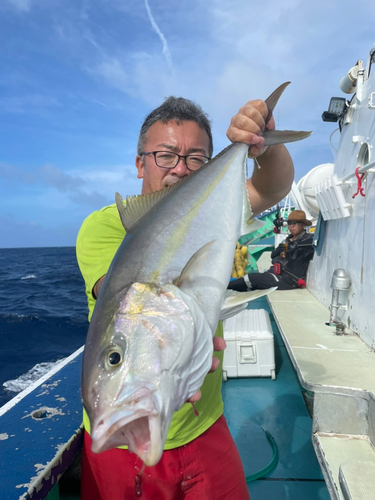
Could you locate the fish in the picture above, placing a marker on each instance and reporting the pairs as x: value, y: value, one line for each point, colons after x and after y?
x: 149, y: 344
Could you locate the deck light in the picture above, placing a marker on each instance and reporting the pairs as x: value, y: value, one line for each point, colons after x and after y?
x: 340, y: 283
x: 336, y: 109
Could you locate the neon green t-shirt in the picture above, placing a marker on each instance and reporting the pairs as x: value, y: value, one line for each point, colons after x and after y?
x: 98, y: 240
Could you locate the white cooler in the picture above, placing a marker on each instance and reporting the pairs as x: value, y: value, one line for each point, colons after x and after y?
x: 250, y: 350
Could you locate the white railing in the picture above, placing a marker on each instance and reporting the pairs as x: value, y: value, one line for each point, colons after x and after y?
x: 366, y: 168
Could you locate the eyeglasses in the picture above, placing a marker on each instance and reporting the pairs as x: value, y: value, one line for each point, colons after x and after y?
x: 167, y: 159
x: 293, y: 222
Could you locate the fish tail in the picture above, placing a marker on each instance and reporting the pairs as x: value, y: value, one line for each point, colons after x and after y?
x: 273, y: 137
x: 273, y: 99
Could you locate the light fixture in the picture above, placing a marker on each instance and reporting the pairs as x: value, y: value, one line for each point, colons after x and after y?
x: 336, y: 109
x: 340, y: 283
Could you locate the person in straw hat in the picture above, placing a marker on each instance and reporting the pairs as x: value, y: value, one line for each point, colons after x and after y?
x: 290, y: 260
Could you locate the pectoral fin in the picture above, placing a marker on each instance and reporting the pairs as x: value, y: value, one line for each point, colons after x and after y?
x: 250, y: 224
x: 194, y: 267
x: 235, y: 302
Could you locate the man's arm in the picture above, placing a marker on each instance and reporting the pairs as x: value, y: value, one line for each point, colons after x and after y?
x: 97, y: 287
x: 97, y: 242
x: 277, y: 251
x: 273, y: 180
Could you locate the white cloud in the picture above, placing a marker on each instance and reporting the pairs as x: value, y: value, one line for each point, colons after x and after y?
x: 75, y: 187
x: 95, y: 187
x: 28, y: 103
x: 109, y: 180
x: 164, y: 42
x: 60, y: 180
x: 114, y: 73
x: 21, y: 5
x: 13, y: 174
x: 117, y: 54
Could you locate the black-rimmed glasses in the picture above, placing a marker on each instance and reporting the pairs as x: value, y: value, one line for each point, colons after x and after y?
x: 167, y: 159
x: 294, y: 222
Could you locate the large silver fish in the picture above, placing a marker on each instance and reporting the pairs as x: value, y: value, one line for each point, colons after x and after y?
x: 149, y: 345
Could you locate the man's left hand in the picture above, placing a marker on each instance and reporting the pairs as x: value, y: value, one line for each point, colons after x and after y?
x: 219, y: 345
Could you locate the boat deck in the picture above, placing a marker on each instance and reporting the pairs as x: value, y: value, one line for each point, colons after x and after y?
x: 279, y: 406
x: 250, y: 403
x: 340, y: 372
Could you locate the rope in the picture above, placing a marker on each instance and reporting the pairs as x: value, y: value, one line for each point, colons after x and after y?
x: 359, y: 183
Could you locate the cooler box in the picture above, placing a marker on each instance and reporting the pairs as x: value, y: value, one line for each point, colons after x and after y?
x: 250, y: 350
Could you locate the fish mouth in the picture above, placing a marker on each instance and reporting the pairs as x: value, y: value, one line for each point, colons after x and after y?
x: 136, y: 425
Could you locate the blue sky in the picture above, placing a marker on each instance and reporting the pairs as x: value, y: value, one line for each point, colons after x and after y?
x: 79, y: 76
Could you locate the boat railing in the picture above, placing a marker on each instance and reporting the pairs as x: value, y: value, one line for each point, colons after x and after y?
x: 41, y: 432
x: 369, y: 168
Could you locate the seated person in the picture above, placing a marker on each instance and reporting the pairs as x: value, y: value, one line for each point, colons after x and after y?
x: 292, y: 257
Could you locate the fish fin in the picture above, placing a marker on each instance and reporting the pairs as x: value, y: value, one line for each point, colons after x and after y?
x: 254, y: 235
x: 235, y: 301
x: 137, y: 206
x: 251, y: 224
x: 272, y: 137
x: 121, y: 209
x: 273, y: 99
x: 228, y: 313
x: 193, y: 269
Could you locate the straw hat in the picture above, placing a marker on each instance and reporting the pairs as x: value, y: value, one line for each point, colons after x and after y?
x: 299, y: 216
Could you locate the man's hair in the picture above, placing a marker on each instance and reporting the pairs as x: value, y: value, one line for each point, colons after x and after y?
x: 177, y: 109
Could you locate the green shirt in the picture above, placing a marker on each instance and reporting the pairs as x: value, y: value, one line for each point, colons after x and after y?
x: 98, y: 240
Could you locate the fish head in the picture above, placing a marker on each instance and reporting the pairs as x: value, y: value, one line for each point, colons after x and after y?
x: 132, y: 385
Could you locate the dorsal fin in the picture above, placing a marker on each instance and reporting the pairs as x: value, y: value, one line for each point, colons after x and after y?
x: 137, y: 206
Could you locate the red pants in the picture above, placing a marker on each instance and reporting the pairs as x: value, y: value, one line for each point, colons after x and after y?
x: 208, y: 468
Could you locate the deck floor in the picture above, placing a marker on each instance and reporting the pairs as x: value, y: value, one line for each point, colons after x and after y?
x: 279, y: 407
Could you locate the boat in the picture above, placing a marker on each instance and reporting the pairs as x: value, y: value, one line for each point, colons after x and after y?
x: 328, y: 328
x: 319, y: 407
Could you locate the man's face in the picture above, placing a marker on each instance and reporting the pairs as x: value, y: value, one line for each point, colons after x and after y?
x: 296, y: 229
x: 184, y: 138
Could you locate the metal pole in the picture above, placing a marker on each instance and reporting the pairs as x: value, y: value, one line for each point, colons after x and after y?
x: 362, y: 170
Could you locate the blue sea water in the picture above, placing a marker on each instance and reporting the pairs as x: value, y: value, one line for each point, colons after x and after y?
x: 43, y: 313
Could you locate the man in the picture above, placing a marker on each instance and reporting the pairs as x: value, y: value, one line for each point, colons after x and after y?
x: 290, y: 260
x: 201, y: 460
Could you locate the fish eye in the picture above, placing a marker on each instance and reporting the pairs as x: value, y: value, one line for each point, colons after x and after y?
x: 114, y: 358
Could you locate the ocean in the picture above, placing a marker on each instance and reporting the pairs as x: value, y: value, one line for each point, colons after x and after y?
x: 43, y: 313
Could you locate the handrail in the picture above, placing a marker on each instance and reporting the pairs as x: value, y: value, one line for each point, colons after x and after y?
x: 362, y: 170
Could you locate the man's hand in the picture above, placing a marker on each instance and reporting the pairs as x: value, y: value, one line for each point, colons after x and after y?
x: 248, y: 124
x: 219, y: 345
x: 272, y: 182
